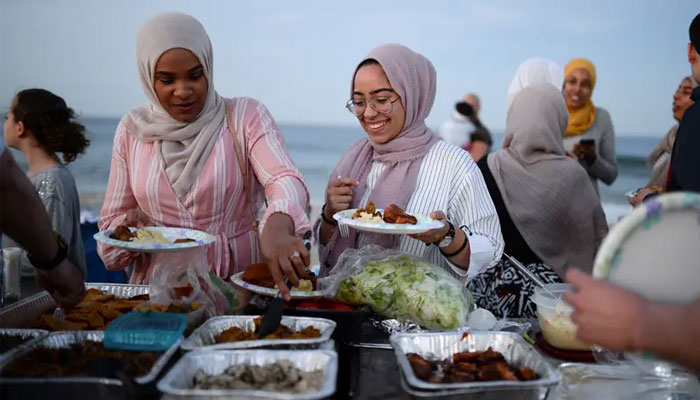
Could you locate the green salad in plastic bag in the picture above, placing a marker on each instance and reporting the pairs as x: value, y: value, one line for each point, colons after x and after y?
x: 402, y: 287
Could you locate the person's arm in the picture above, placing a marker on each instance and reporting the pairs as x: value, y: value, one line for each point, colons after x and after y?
x: 285, y: 219
x: 119, y: 199
x: 24, y: 219
x: 478, y: 149
x: 605, y: 165
x: 670, y: 331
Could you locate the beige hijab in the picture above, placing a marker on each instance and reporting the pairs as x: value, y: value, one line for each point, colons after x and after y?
x: 185, y: 146
x: 548, y: 195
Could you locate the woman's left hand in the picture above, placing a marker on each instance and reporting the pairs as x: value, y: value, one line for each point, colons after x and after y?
x: 585, y: 152
x: 434, y: 235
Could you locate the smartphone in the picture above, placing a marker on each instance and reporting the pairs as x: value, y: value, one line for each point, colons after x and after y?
x: 587, y: 142
x: 464, y: 108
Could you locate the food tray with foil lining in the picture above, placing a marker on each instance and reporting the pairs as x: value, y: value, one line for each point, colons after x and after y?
x: 29, y: 310
x: 59, y: 340
x: 179, y: 380
x: 537, y: 393
x: 442, y: 345
x: 31, y: 335
x: 204, y: 337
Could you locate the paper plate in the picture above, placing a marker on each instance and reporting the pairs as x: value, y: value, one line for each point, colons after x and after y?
x: 424, y: 224
x: 201, y: 239
x: 654, y: 251
x: 237, y: 279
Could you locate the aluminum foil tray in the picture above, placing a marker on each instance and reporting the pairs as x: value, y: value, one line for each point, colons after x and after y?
x: 65, y: 339
x: 205, y: 336
x: 179, y: 380
x: 32, y: 335
x: 29, y: 310
x: 442, y: 345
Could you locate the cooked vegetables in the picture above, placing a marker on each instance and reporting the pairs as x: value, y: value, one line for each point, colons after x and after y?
x: 281, y: 376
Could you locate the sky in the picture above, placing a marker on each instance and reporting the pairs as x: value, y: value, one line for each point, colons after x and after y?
x: 298, y: 57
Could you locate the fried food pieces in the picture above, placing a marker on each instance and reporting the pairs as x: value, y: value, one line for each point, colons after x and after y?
x: 95, y: 312
x: 122, y: 232
x: 259, y: 275
x: 393, y: 214
x: 236, y: 334
x: 176, y: 307
x: 478, y: 366
x: 75, y: 361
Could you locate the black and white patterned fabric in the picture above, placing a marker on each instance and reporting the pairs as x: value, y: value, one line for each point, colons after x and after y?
x: 506, y: 292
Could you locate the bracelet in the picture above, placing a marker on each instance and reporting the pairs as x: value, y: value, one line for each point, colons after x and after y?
x: 462, y: 247
x: 57, y: 259
x: 325, y: 219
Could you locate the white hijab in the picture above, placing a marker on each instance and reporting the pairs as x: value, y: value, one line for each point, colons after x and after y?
x: 532, y: 72
x: 185, y: 146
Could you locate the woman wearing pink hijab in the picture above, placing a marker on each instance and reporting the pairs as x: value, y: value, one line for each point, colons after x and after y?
x: 402, y: 162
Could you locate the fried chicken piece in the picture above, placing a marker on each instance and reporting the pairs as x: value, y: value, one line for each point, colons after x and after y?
x: 462, y: 376
x: 496, y: 371
x: 420, y: 366
x: 393, y: 214
x: 122, y: 232
x: 96, y: 295
x: 184, y: 240
x: 525, y: 374
x: 258, y: 274
x: 48, y: 322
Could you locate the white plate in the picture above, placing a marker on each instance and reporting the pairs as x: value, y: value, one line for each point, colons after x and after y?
x: 237, y: 279
x: 424, y: 224
x: 201, y: 239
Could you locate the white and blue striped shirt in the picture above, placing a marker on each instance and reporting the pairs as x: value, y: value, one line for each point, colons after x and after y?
x: 449, y: 181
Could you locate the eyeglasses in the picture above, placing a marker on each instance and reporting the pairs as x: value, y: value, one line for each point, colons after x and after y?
x: 380, y: 104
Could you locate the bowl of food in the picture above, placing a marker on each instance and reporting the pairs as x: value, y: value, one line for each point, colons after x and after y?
x: 554, y: 316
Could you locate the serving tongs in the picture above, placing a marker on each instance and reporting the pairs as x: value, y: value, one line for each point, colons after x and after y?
x: 273, y: 315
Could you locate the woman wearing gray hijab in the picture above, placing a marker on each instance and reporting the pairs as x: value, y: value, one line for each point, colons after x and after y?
x: 548, y: 210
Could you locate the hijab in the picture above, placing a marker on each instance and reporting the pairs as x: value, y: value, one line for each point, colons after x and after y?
x: 580, y: 119
x: 185, y: 146
x: 547, y: 194
x: 533, y: 71
x: 413, y: 78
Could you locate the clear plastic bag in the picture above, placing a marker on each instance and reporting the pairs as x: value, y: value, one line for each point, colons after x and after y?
x: 399, y: 286
x: 184, y: 277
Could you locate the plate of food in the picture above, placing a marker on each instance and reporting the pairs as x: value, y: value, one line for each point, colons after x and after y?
x: 257, y: 279
x: 154, y: 239
x: 390, y: 220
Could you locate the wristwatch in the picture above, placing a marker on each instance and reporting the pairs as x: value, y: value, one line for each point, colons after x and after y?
x: 61, y: 255
x: 447, y: 240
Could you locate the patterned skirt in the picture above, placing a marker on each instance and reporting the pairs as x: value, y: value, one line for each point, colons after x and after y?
x: 506, y: 292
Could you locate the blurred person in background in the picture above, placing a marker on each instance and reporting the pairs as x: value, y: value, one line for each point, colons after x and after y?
x: 684, y: 169
x: 590, y: 136
x: 465, y: 129
x: 23, y: 218
x: 660, y: 158
x: 40, y: 124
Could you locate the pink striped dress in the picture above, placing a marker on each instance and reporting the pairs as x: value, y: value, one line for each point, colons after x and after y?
x: 217, y: 202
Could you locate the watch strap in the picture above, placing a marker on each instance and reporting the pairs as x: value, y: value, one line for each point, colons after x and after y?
x: 61, y: 255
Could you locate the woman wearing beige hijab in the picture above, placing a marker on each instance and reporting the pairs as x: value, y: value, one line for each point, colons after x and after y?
x: 174, y: 162
x: 549, y: 213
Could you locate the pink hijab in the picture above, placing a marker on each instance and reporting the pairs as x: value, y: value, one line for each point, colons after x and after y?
x: 413, y: 77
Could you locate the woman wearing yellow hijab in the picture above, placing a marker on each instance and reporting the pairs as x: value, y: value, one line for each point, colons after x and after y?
x: 590, y: 136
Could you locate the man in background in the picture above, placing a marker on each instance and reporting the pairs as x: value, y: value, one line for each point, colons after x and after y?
x: 465, y: 129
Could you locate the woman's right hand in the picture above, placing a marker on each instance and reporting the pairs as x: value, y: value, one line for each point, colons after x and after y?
x: 136, y: 218
x: 339, y: 195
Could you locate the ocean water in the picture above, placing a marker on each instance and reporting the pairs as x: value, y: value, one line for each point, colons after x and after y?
x: 316, y: 149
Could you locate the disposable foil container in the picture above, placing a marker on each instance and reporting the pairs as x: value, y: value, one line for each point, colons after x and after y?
x: 30, y: 335
x: 442, y: 345
x: 65, y: 339
x: 179, y: 381
x: 205, y: 336
x: 27, y: 311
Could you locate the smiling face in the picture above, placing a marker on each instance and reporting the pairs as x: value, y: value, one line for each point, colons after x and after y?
x: 371, y: 82
x: 180, y: 84
x: 578, y: 88
x: 681, y: 99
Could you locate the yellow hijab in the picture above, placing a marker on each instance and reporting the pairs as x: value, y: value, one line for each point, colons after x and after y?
x: 580, y: 119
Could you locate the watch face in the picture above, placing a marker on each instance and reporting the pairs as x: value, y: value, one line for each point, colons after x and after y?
x: 446, y: 241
